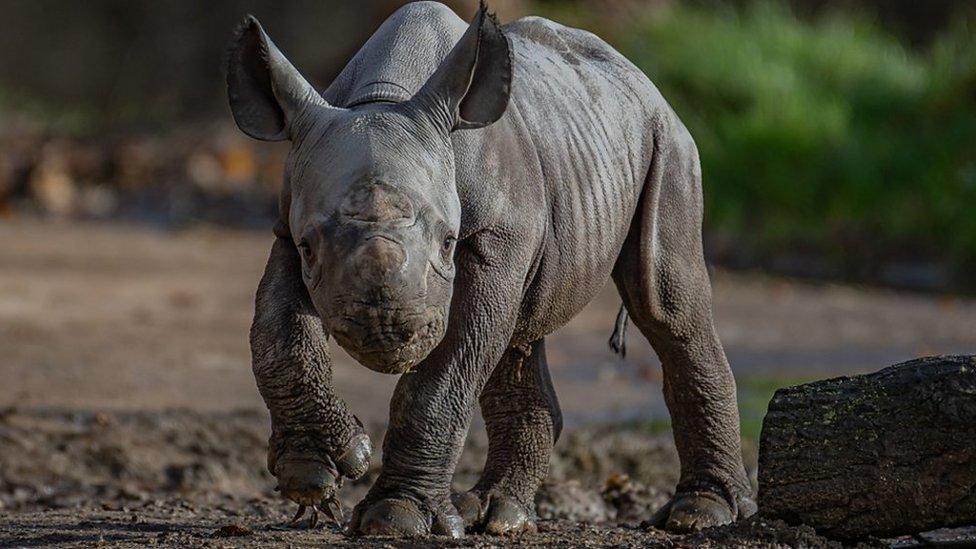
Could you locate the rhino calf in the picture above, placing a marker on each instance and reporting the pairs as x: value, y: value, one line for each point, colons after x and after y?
x: 457, y: 194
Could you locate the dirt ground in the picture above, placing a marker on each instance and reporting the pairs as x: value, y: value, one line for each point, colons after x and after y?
x: 189, y: 478
x: 130, y: 416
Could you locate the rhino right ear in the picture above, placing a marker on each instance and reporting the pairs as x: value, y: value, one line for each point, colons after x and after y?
x: 267, y: 94
x: 472, y: 85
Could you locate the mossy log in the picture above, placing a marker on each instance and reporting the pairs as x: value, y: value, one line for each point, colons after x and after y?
x: 882, y: 454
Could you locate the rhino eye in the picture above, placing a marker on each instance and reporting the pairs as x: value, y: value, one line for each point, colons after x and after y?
x: 306, y: 252
x: 448, y: 244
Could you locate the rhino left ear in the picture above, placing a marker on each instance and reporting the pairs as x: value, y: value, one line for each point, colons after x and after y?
x: 472, y: 85
x: 265, y: 91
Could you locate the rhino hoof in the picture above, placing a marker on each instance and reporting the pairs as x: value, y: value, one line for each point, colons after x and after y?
x: 697, y: 510
x: 449, y: 524
x: 305, y: 481
x: 507, y: 517
x: 404, y: 518
x: 393, y: 517
x: 354, y: 462
x: 468, y: 505
x: 503, y: 516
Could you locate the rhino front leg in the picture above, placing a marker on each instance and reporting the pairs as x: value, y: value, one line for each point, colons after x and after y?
x: 432, y: 406
x: 523, y: 420
x: 315, y: 440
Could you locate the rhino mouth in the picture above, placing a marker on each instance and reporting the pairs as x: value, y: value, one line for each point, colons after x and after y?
x: 390, y: 343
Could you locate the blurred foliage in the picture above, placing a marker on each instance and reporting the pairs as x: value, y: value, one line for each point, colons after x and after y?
x: 754, y: 395
x: 826, y: 135
x: 831, y: 146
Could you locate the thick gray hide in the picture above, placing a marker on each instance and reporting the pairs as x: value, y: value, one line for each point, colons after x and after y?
x: 587, y: 175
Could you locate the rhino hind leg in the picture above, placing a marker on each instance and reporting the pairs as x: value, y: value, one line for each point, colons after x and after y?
x: 664, y: 284
x: 523, y: 421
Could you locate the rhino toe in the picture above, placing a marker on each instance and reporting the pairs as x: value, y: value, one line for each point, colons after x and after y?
x: 508, y: 517
x: 697, y: 510
x: 305, y: 479
x: 392, y: 517
x: 354, y: 462
x: 497, y: 515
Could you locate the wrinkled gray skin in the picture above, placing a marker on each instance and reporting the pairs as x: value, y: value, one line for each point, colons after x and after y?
x: 458, y: 193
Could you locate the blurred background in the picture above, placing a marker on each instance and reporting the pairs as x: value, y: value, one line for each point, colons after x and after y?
x: 838, y: 142
x: 837, y: 135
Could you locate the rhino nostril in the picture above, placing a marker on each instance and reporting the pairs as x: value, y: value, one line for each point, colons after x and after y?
x: 380, y: 257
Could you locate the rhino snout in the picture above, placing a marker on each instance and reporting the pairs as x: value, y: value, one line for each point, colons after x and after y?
x: 379, y: 259
x: 388, y: 341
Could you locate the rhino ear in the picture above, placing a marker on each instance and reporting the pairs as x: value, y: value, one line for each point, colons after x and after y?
x: 471, y: 87
x: 267, y: 94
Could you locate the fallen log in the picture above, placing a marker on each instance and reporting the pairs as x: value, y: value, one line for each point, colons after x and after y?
x: 882, y: 454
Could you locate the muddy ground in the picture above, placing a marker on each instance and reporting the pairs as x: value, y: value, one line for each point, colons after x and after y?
x: 128, y: 414
x: 188, y: 478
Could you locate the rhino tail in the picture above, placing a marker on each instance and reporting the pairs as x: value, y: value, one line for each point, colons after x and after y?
x: 618, y: 340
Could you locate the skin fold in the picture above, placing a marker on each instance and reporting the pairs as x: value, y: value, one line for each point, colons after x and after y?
x: 459, y: 192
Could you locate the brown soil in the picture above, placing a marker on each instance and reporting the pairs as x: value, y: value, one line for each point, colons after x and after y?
x: 183, y: 478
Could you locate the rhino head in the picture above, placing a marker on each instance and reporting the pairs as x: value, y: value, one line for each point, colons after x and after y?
x: 369, y: 194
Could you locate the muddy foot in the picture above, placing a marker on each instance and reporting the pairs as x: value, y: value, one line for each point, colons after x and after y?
x: 693, y: 511
x: 313, y: 479
x: 494, y: 514
x: 404, y: 518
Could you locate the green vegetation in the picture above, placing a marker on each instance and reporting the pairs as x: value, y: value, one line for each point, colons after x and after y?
x: 66, y: 120
x: 828, y: 136
x: 754, y: 394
